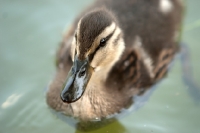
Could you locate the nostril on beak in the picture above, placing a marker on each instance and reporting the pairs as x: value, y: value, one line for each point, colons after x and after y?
x: 66, y: 97
x: 82, y: 73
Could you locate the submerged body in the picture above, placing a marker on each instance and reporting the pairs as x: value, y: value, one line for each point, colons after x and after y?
x: 126, y: 46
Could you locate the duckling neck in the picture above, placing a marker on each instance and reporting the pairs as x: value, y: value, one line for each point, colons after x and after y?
x: 98, y: 100
x: 101, y: 73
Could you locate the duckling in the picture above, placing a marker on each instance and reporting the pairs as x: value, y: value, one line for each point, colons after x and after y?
x: 115, y: 50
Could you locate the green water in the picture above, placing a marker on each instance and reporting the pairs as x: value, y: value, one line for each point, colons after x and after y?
x: 29, y: 34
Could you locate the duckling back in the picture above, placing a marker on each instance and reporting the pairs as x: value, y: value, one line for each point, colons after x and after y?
x: 151, y: 33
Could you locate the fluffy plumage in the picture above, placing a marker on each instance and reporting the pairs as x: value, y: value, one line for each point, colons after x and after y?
x: 139, y: 47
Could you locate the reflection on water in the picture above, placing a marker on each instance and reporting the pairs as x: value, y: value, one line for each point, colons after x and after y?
x: 10, y: 100
x: 115, y: 127
x: 30, y: 32
x: 187, y: 75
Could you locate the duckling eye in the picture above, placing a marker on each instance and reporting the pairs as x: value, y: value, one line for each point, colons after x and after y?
x: 102, y: 42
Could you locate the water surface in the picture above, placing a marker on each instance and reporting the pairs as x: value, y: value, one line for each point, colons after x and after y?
x: 29, y: 35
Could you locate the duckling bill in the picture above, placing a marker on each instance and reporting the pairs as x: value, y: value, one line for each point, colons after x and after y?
x: 77, y: 80
x: 113, y: 51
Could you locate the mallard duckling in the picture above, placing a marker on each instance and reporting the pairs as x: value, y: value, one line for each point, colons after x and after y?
x: 116, y: 49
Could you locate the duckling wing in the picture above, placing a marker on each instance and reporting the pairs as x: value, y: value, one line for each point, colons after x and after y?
x: 136, y: 72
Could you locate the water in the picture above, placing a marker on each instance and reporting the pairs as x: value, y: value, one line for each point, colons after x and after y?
x: 29, y: 35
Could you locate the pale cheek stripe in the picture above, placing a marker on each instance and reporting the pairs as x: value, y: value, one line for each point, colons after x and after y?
x: 78, y: 34
x: 73, y: 46
x: 116, y: 35
x: 118, y: 50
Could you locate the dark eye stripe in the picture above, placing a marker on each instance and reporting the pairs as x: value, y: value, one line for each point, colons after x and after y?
x: 110, y: 35
x: 91, y: 56
x: 76, y: 36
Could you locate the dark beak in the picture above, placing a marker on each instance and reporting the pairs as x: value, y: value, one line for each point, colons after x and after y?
x: 77, y: 80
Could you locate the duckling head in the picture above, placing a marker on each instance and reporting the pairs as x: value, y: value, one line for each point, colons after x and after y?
x: 97, y: 45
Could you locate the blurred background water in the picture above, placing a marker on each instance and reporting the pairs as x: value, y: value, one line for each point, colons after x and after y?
x: 29, y: 35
